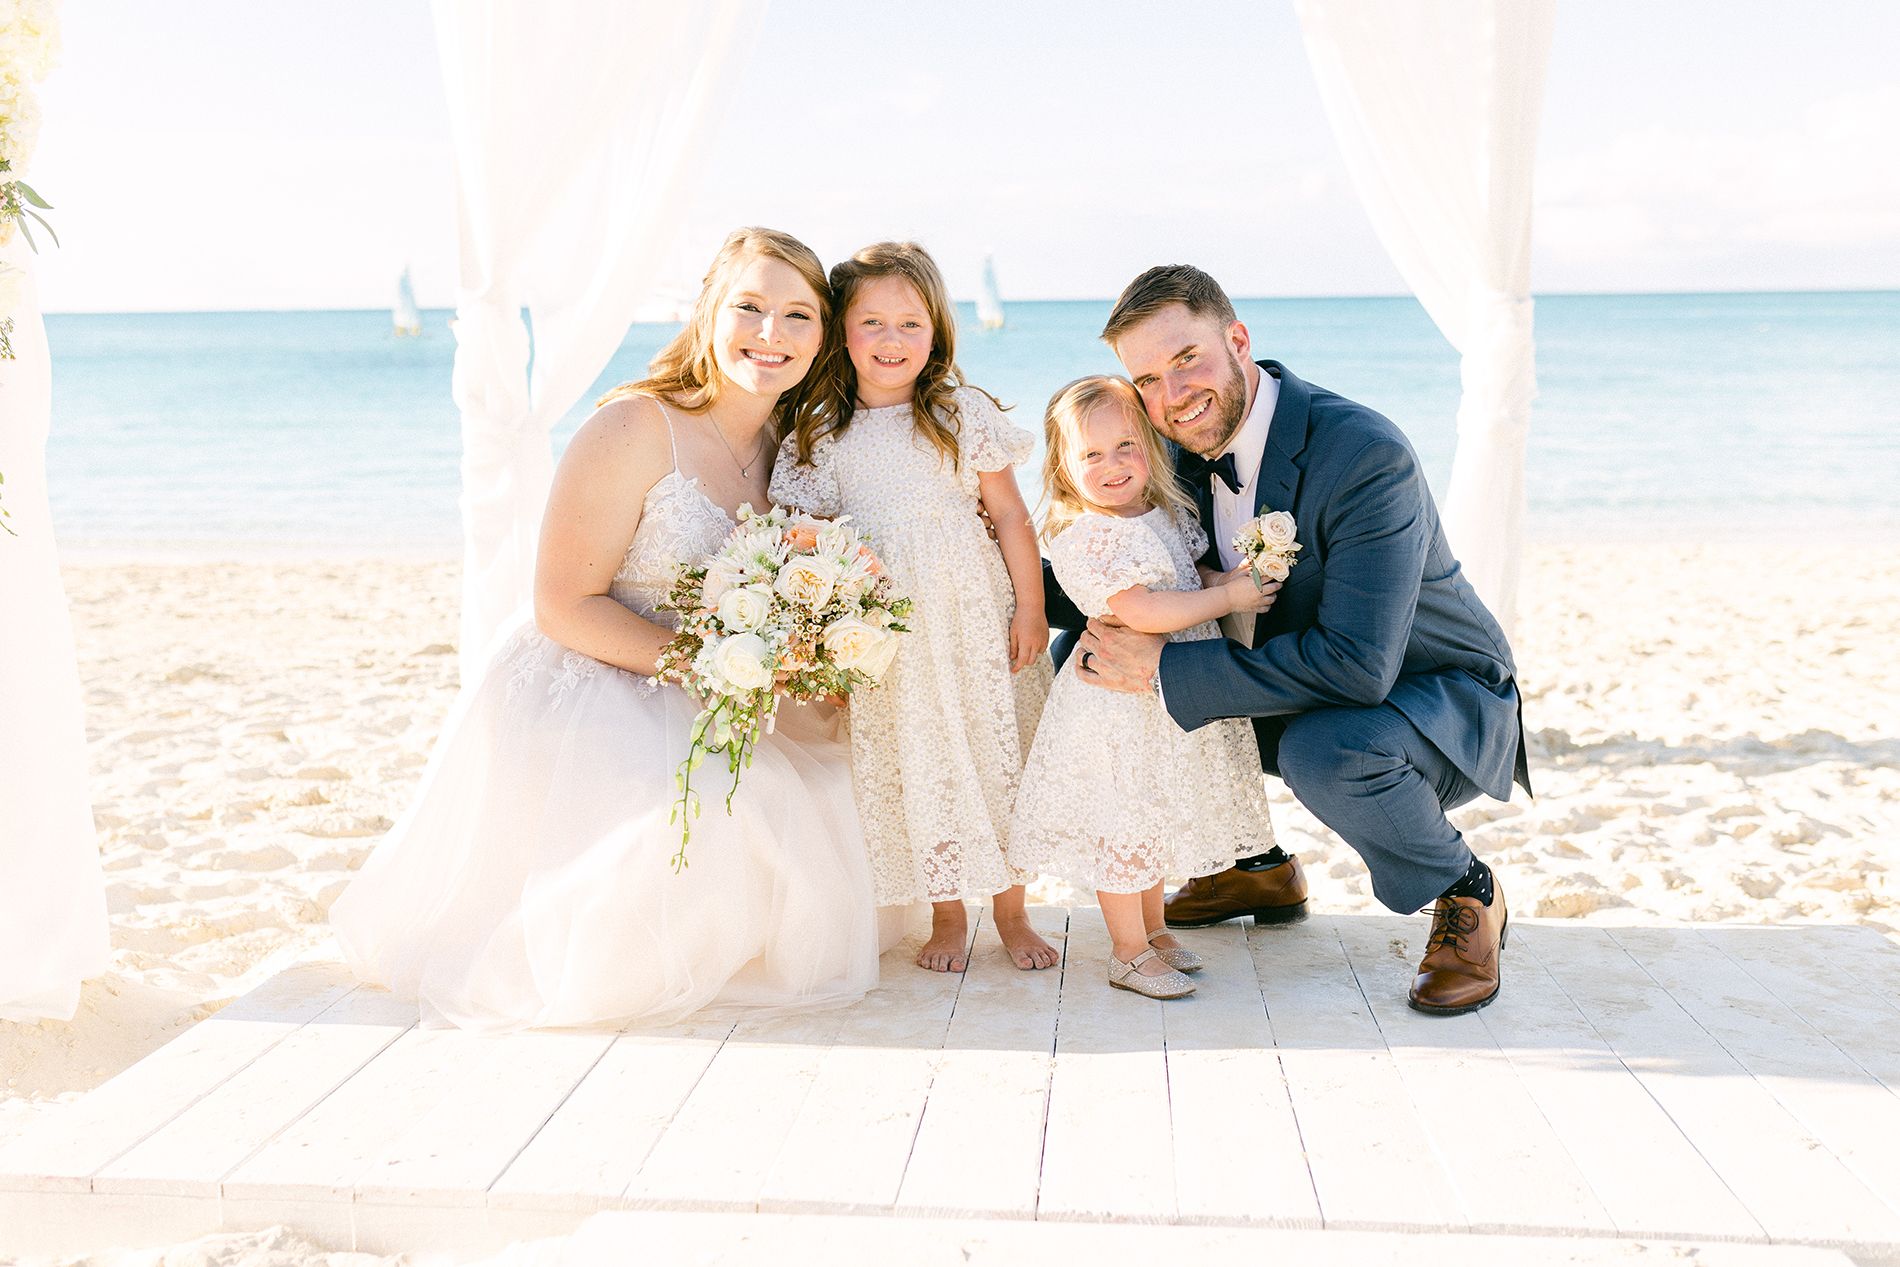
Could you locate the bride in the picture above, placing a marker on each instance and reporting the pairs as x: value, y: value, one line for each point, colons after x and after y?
x: 529, y: 884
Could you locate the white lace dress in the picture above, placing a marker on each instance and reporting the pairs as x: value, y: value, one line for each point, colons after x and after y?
x: 1116, y: 797
x: 937, y: 748
x: 529, y: 884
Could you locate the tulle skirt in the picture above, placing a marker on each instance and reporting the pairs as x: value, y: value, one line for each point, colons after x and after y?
x: 530, y: 885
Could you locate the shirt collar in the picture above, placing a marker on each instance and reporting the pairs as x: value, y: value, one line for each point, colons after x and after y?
x: 1249, y: 444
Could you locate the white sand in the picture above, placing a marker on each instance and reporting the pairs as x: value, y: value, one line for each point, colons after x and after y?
x: 1707, y: 725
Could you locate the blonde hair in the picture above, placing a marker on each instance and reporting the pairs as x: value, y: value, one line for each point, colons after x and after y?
x: 686, y: 373
x: 1063, y: 499
x: 934, y: 409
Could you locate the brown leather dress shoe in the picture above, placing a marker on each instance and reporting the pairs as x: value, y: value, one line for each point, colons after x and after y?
x: 1274, y: 896
x: 1461, y: 971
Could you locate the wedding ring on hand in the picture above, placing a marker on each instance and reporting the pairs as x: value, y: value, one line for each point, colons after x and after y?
x: 1086, y: 657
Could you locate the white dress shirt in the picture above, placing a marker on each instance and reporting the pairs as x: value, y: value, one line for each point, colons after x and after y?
x: 1249, y: 447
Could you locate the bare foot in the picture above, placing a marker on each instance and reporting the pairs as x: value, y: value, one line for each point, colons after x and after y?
x: 949, y: 939
x: 1028, y: 950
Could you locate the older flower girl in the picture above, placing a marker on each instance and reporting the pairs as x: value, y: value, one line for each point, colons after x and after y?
x: 909, y: 452
x: 1116, y: 796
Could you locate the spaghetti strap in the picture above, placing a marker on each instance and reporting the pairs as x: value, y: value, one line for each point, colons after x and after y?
x: 670, y: 440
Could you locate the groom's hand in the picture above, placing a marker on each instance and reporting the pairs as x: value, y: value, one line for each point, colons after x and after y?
x: 1112, y: 655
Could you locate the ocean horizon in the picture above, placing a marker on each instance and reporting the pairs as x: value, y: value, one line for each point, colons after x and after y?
x: 318, y: 432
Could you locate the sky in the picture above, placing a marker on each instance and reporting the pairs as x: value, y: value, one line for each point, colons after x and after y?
x: 227, y: 154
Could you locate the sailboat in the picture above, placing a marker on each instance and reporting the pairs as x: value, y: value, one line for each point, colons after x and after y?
x: 403, y: 314
x: 989, y: 305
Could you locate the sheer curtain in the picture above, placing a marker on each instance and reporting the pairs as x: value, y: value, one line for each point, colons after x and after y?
x: 53, y: 930
x: 576, y: 130
x: 1436, y: 109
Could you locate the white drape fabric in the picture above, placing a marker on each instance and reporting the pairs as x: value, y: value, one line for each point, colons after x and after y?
x: 1436, y: 108
x: 575, y: 130
x: 53, y: 931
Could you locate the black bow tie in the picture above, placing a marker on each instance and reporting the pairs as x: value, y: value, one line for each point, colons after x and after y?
x: 1197, y: 468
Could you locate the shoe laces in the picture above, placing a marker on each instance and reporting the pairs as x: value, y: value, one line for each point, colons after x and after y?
x: 1451, y: 920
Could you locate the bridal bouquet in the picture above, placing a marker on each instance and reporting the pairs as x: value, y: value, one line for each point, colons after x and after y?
x: 790, y: 606
x: 1267, y: 544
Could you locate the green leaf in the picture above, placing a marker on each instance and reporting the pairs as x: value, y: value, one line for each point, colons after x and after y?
x: 28, y: 235
x: 26, y: 192
x: 49, y: 228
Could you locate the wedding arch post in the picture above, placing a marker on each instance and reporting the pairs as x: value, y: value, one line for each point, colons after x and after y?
x: 1436, y: 107
x: 575, y: 130
x: 53, y: 929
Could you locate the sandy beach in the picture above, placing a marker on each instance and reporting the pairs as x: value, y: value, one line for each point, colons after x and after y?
x: 1707, y: 745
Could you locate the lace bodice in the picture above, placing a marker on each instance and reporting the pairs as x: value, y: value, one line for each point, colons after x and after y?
x: 886, y: 476
x: 1099, y: 556
x: 678, y: 524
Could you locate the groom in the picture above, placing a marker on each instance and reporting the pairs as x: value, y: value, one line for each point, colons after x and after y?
x: 1380, y: 688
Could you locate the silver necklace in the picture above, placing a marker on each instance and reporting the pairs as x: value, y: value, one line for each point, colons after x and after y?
x: 745, y: 471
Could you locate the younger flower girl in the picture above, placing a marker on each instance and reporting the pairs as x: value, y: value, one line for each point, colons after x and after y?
x: 909, y: 451
x: 1116, y: 797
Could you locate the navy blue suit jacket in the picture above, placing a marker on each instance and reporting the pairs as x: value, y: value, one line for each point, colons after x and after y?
x: 1376, y: 611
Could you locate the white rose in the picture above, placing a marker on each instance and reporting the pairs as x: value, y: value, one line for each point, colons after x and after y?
x: 713, y: 588
x: 808, y: 581
x: 878, y: 662
x: 745, y: 660
x: 744, y: 609
x: 1277, y: 529
x: 851, y: 640
x: 1272, y: 567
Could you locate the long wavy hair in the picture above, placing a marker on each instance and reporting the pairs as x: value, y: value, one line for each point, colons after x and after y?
x: 1063, y: 498
x: 686, y: 373
x: 934, y: 410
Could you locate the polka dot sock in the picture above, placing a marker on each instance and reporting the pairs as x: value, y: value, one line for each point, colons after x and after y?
x: 1476, y: 882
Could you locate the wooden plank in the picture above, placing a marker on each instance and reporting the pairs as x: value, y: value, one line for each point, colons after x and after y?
x: 453, y: 1153
x: 321, y: 1157
x: 1228, y: 1098
x: 189, y: 1155
x: 1109, y: 1151
x: 721, y: 1144
x: 598, y: 1139
x: 1853, y: 1115
x: 978, y: 1150
x: 63, y: 1149
x: 1647, y: 1174
x: 1799, y: 969
x: 1793, y: 1186
x: 1863, y: 953
x: 771, y: 1240
x: 848, y: 1148
x: 1511, y: 1170
x: 1372, y: 1161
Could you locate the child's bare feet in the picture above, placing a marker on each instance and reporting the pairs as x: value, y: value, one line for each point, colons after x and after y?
x: 1027, y: 950
x: 948, y: 947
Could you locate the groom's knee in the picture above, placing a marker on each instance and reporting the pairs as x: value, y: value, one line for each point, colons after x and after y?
x: 1333, y: 752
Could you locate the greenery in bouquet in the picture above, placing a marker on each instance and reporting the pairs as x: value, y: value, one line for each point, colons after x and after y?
x: 790, y: 607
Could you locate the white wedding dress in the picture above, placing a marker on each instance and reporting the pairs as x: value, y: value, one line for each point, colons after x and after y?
x: 530, y: 886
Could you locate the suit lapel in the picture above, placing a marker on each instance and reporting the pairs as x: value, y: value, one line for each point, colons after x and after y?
x: 1286, y: 438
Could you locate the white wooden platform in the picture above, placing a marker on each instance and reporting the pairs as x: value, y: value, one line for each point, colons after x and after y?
x: 1724, y: 1084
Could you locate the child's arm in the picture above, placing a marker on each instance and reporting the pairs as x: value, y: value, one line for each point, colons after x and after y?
x: 1003, y: 501
x: 1169, y: 611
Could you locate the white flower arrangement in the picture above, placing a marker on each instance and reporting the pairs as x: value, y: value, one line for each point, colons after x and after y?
x: 1269, y: 543
x: 29, y: 45
x: 789, y: 607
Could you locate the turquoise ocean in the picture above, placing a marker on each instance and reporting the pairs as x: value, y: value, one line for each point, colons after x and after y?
x: 1686, y: 415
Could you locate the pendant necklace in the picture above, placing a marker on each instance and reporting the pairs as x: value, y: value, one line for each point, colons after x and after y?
x: 745, y: 471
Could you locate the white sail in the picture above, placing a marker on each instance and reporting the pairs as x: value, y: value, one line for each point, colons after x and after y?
x: 989, y: 305
x: 404, y: 314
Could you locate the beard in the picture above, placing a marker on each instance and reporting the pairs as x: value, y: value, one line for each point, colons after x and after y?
x: 1230, y: 408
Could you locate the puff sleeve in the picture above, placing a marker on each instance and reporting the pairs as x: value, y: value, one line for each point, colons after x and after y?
x: 1098, y: 556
